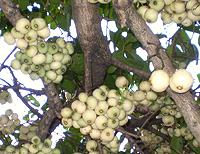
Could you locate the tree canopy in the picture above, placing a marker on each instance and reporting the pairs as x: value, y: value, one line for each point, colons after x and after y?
x: 98, y: 88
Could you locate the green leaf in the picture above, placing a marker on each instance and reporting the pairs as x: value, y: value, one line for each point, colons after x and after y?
x: 33, y: 100
x: 23, y: 4
x: 198, y: 76
x: 77, y: 63
x: 68, y: 85
x: 111, y: 69
x: 176, y: 145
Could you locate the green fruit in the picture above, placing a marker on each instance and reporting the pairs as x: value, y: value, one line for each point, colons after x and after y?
x: 49, y: 58
x: 36, y: 140
x: 42, y: 47
x: 35, y: 67
x: 52, y: 48
x: 25, y: 69
x: 15, y: 64
x: 39, y: 59
x: 18, y: 55
x: 41, y: 72
x: 34, y: 76
x: 38, y: 23
x: 25, y: 59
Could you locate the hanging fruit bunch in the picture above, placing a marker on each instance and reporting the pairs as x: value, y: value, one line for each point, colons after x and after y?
x: 37, y: 57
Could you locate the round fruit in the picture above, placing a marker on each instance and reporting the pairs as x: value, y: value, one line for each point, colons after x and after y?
x: 159, y: 80
x: 39, y: 59
x: 91, y: 145
x: 145, y: 86
x: 89, y: 116
x: 181, y: 81
x: 44, y: 33
x: 66, y: 112
x: 15, y: 64
x: 107, y: 134
x: 157, y: 4
x: 8, y: 38
x: 151, y: 15
x: 121, y: 82
x: 23, y: 25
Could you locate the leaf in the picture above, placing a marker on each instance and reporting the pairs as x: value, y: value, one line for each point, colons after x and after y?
x: 111, y: 69
x: 176, y: 145
x: 198, y: 76
x: 68, y: 85
x: 77, y: 65
x: 33, y: 100
x: 23, y: 4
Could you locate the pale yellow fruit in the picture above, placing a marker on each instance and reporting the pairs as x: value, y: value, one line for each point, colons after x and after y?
x: 159, y: 80
x: 168, y: 2
x: 157, y: 4
x: 145, y: 86
x: 8, y: 38
x: 121, y: 82
x: 107, y: 134
x: 168, y: 120
x: 66, y: 112
x: 95, y: 134
x: 187, y: 22
x: 21, y: 44
x: 151, y: 15
x: 89, y: 116
x: 166, y: 17
x: 101, y: 122
x: 190, y: 4
x: 196, y: 9
x: 44, y: 33
x: 178, y: 18
x: 142, y: 9
x: 23, y: 25
x: 139, y: 95
x: 83, y: 97
x: 104, y: 1
x: 91, y: 145
x: 181, y: 81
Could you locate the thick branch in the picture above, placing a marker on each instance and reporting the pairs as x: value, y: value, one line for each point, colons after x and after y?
x: 185, y: 102
x: 10, y: 10
x: 124, y: 66
x: 93, y: 44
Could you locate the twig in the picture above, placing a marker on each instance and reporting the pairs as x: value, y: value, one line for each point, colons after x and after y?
x: 122, y: 130
x: 124, y: 66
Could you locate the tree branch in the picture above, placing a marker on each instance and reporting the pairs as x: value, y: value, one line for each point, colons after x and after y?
x: 124, y: 66
x: 93, y: 43
x: 129, y: 17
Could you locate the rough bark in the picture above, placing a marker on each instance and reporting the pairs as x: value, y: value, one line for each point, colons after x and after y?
x: 10, y: 10
x: 93, y: 44
x: 129, y: 17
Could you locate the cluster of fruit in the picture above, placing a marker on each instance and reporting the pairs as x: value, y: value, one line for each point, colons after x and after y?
x: 100, y: 114
x: 92, y: 146
x: 100, y: 1
x: 27, y: 132
x: 181, y: 81
x: 8, y: 122
x: 5, y: 96
x: 46, y: 60
x: 36, y: 57
x: 35, y: 146
x: 183, y: 12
